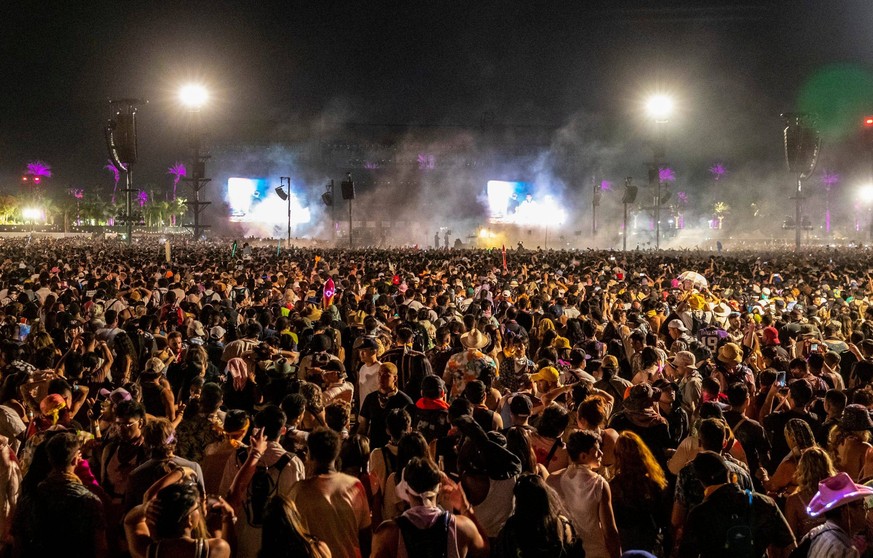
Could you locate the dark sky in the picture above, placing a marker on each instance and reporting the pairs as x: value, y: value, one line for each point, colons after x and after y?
x: 732, y: 66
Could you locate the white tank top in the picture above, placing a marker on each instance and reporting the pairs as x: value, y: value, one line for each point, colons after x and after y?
x: 493, y: 512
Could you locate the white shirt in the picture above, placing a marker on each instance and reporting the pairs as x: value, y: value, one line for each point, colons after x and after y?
x: 368, y: 381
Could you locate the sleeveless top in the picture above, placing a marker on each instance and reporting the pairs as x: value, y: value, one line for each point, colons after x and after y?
x: 581, y: 489
x: 201, y: 549
x: 496, y: 508
x: 430, y: 523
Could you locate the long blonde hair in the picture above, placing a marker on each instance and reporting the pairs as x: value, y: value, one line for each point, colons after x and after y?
x: 814, y: 466
x: 284, y: 533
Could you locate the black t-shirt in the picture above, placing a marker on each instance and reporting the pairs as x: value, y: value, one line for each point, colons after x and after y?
x: 375, y: 409
x: 751, y: 435
x: 709, y: 524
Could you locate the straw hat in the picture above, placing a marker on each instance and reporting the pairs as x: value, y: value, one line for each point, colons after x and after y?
x: 730, y: 352
x: 474, y: 339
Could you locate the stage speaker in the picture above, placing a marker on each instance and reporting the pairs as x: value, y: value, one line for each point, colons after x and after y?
x: 348, y: 189
x: 630, y: 194
x: 327, y: 198
x: 802, y: 144
x: 125, y: 137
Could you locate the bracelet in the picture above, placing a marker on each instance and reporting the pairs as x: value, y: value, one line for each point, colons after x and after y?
x: 229, y: 517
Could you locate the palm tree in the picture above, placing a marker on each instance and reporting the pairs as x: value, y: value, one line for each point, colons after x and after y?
x: 9, y: 205
x: 720, y: 209
x: 177, y: 210
x: 51, y: 210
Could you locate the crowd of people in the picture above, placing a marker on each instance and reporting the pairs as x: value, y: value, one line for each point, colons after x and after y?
x: 219, y: 400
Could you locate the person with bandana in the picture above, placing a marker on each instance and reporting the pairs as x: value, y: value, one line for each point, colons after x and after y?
x: 425, y: 530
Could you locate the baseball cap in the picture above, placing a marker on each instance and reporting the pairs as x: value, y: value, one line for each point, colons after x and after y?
x: 520, y: 405
x: 677, y: 324
x: 549, y: 374
x: 610, y: 362
x: 368, y: 343
x: 217, y: 332
x: 685, y: 358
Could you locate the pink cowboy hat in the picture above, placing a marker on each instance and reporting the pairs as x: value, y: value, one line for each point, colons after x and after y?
x: 836, y: 491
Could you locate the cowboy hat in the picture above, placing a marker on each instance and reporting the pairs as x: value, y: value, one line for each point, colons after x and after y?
x: 474, y: 339
x: 836, y: 491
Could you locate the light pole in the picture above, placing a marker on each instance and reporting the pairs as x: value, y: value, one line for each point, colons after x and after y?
x: 120, y: 134
x: 195, y: 97
x: 286, y: 195
x: 865, y: 195
x: 802, y: 144
x: 659, y: 108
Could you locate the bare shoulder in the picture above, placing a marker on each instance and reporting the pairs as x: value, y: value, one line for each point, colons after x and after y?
x: 386, y: 528
x: 219, y: 548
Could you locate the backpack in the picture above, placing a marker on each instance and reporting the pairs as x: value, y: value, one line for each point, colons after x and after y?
x: 173, y: 315
x: 740, y: 539
x: 261, y: 489
x: 432, y: 542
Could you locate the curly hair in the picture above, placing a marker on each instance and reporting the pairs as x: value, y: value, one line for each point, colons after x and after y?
x: 314, y: 397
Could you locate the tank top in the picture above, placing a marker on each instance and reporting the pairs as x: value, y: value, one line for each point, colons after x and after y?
x: 423, y: 525
x: 201, y: 549
x: 496, y: 508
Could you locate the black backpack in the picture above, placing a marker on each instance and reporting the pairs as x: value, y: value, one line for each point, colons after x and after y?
x: 261, y: 490
x: 740, y: 539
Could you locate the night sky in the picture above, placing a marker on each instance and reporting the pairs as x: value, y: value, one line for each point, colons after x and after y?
x: 733, y: 68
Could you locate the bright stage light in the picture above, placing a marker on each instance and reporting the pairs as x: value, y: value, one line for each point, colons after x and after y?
x: 484, y: 233
x: 659, y: 107
x: 193, y: 96
x: 865, y: 193
x: 32, y: 213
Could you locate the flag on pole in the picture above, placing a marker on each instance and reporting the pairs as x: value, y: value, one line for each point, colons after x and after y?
x: 233, y: 250
x: 278, y: 246
x: 504, y: 257
x: 329, y: 291
x: 167, y: 251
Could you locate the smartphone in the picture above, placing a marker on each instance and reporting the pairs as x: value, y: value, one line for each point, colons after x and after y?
x: 813, y: 347
x: 780, y: 379
x: 23, y: 332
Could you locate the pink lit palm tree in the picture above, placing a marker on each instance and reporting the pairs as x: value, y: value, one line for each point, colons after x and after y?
x: 178, y: 170
x: 39, y: 168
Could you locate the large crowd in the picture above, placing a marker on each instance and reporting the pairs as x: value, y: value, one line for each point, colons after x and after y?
x: 218, y: 399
